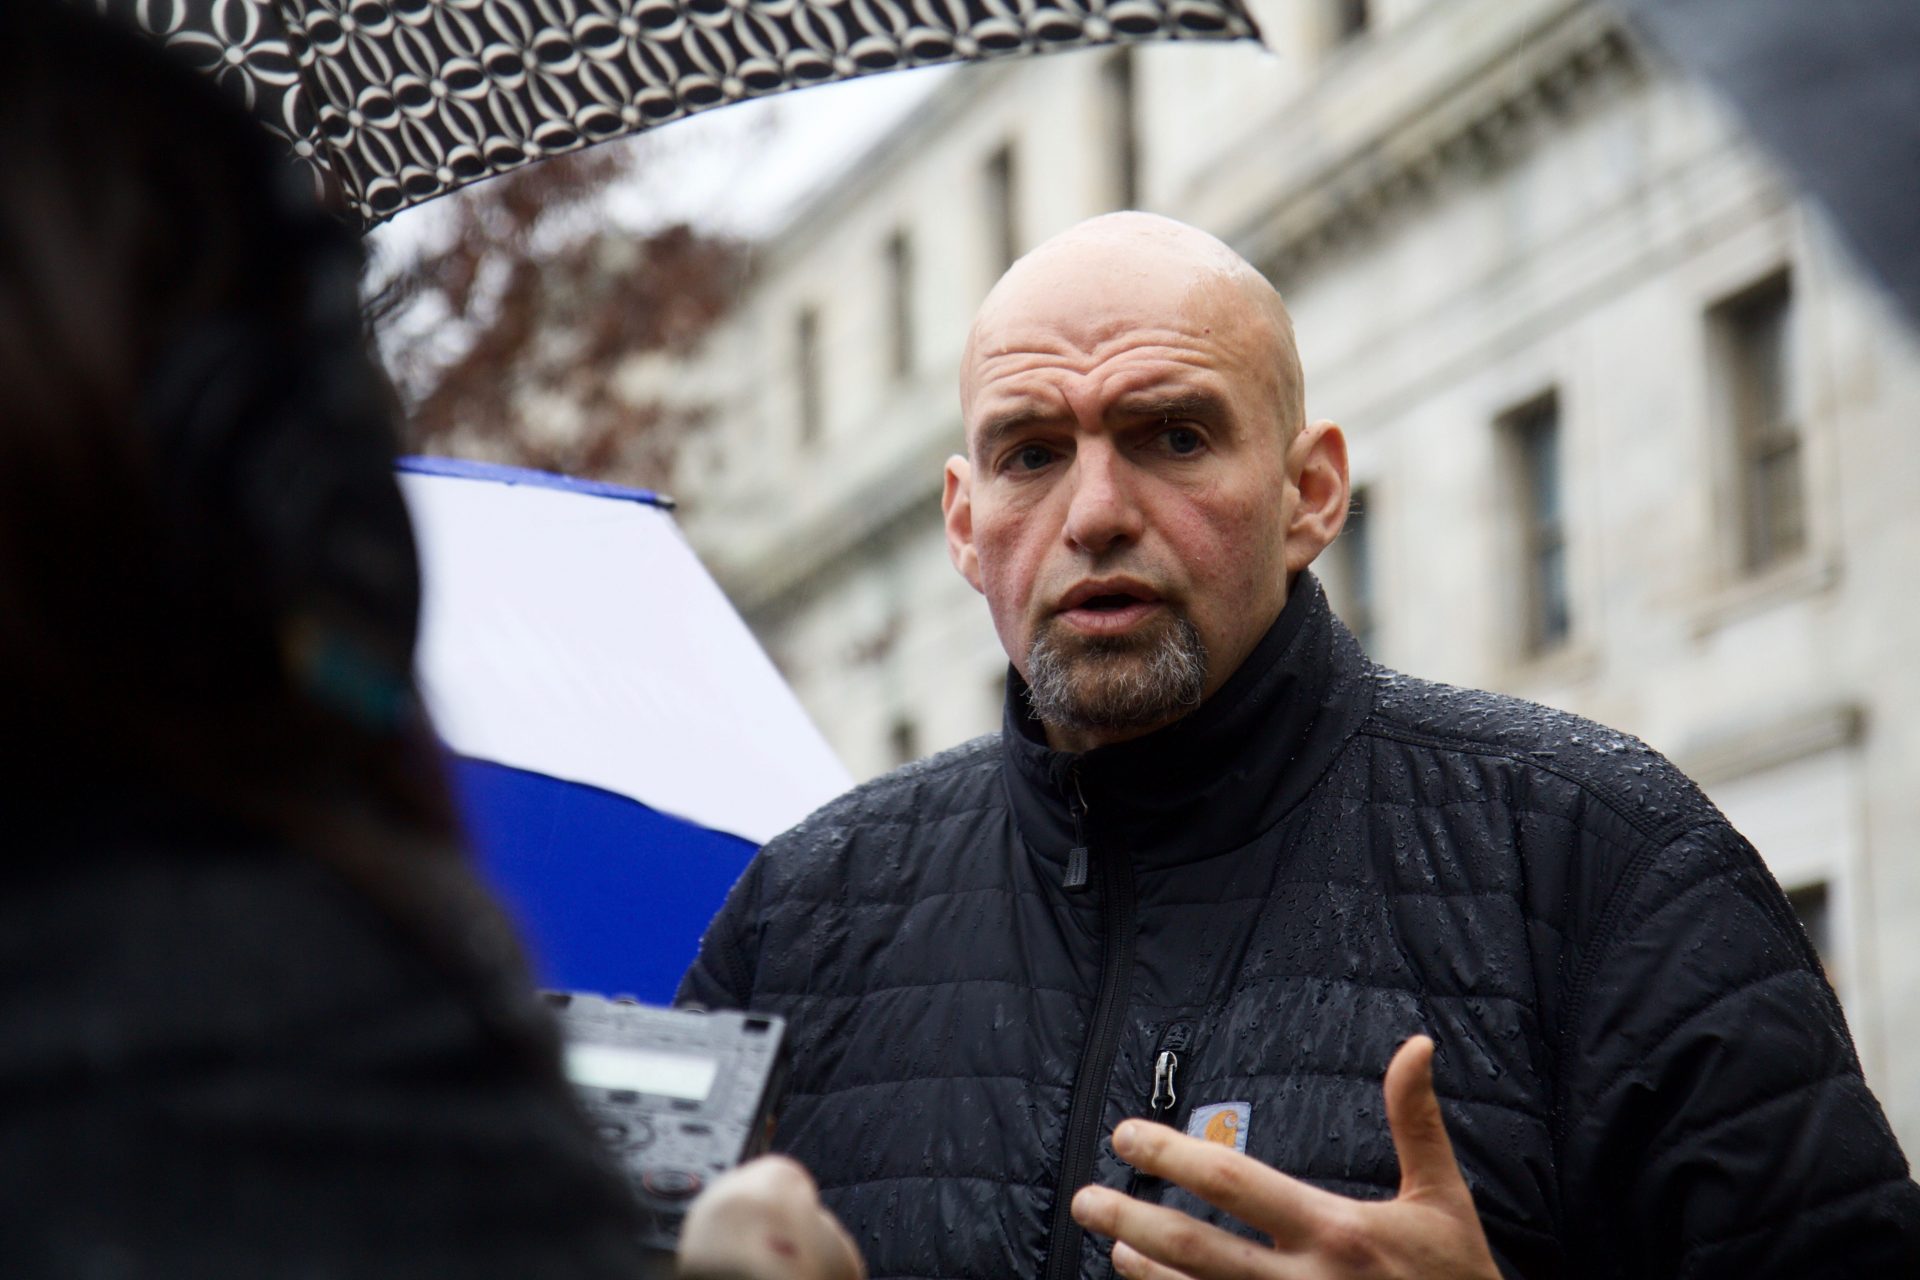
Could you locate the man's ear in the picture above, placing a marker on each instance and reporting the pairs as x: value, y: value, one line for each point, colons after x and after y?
x: 956, y: 502
x: 1317, y: 472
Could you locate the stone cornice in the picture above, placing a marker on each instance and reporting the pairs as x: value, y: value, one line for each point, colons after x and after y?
x: 880, y: 165
x: 1332, y: 181
x: 767, y: 566
x: 1739, y: 750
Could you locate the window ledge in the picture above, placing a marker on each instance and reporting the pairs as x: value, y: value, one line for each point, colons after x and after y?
x: 1567, y: 663
x: 1806, y: 575
x: 1731, y: 751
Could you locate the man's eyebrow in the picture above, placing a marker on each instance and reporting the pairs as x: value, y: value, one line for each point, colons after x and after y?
x: 1001, y: 425
x: 1167, y: 405
x: 1140, y: 406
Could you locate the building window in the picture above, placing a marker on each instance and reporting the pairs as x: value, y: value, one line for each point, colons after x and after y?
x: 900, y: 302
x: 806, y: 359
x: 1118, y: 83
x: 1532, y: 434
x: 1003, y: 223
x: 903, y: 740
x: 1754, y: 353
x: 1355, y: 558
x: 1351, y: 18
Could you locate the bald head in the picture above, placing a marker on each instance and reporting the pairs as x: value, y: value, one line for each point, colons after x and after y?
x: 1116, y: 276
x: 1139, y: 489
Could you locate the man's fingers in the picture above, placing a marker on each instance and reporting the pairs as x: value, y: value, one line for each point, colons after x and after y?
x: 1134, y: 1265
x: 1427, y: 1165
x: 1172, y: 1245
x: 1261, y: 1197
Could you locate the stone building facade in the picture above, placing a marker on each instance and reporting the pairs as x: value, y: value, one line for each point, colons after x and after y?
x: 1630, y: 434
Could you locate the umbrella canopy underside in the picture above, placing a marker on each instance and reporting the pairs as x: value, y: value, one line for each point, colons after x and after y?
x: 394, y: 102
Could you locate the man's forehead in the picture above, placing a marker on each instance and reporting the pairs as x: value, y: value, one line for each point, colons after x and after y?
x: 1130, y: 279
x: 1115, y: 342
x: 1030, y: 387
x: 1085, y: 343
x: 1083, y: 315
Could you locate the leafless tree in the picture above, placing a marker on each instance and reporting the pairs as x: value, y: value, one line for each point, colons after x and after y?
x: 507, y: 338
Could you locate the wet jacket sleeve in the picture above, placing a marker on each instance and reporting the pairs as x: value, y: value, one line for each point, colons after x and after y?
x: 1718, y: 1123
x: 721, y: 975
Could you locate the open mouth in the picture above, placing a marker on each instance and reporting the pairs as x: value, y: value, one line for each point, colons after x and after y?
x: 1108, y: 608
x: 1108, y: 595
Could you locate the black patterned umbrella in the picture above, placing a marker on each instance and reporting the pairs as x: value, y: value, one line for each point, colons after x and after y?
x: 398, y: 101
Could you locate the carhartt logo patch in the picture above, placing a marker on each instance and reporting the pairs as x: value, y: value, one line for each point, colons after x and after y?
x: 1222, y: 1122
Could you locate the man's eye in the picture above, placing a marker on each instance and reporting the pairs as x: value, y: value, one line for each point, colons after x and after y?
x: 1032, y: 457
x: 1182, y: 440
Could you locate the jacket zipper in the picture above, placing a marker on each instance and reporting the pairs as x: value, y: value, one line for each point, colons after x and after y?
x: 1166, y: 1068
x: 1164, y: 1100
x: 1075, y: 878
x: 1103, y: 1041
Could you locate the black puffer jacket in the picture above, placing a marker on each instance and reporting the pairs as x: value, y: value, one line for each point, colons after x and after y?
x: 1643, y: 1071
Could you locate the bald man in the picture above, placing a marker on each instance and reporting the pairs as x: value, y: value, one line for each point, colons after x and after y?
x: 1166, y: 961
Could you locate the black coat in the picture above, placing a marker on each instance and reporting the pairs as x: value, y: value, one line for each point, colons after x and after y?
x: 217, y: 1059
x: 1642, y: 1068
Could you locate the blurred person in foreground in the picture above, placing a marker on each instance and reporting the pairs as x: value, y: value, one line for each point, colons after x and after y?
x: 257, y: 1018
x: 1220, y: 871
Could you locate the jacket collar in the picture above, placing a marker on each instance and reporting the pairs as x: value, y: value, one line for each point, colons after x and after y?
x: 1214, y: 779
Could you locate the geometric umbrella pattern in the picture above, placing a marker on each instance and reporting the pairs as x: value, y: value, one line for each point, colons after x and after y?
x: 396, y: 101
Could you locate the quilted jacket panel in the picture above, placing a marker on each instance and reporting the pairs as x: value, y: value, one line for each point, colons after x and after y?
x: 1642, y: 1068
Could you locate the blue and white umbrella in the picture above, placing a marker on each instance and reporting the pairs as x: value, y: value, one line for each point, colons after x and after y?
x: 622, y: 744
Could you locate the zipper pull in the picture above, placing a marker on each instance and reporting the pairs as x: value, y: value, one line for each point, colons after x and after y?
x: 1075, y: 879
x: 1163, y: 1070
x: 1175, y: 1040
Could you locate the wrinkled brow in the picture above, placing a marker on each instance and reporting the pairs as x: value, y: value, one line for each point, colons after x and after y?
x: 1140, y: 406
x: 1168, y: 406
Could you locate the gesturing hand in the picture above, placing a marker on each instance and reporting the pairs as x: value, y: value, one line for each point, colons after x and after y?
x: 1429, y: 1230
x: 764, y: 1221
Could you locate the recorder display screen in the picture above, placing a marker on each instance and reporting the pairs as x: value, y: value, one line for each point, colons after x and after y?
x: 669, y: 1075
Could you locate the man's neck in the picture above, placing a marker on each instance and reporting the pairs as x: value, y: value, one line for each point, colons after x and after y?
x: 1077, y: 739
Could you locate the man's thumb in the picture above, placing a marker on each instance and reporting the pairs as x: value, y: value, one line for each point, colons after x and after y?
x: 1420, y: 1138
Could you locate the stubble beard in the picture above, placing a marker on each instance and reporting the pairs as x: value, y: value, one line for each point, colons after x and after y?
x: 1123, y: 683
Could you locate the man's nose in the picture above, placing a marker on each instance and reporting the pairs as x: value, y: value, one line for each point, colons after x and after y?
x: 1103, y: 509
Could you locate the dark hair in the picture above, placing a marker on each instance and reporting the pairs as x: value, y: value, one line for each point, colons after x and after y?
x: 208, y: 589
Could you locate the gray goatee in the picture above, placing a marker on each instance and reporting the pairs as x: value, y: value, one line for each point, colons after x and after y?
x: 1126, y: 682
